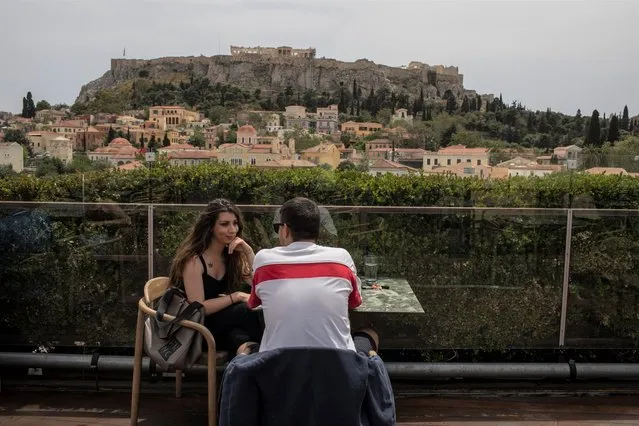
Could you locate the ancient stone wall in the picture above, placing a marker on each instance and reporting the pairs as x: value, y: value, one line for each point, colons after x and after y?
x: 273, y: 52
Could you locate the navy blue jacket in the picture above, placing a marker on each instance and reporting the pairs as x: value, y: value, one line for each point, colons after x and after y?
x: 306, y: 387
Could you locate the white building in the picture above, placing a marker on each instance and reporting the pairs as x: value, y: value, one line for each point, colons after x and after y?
x: 12, y: 154
x: 273, y: 123
x: 401, y: 114
x: 456, y: 154
x: 380, y: 167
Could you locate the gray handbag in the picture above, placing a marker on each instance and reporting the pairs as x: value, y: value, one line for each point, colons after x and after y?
x: 170, y: 345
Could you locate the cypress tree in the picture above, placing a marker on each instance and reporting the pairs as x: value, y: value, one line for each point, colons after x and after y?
x: 594, y: 130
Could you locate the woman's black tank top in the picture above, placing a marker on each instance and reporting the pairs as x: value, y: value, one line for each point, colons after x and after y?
x: 212, y: 287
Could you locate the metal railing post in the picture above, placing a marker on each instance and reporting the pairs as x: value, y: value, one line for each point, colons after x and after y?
x: 150, y: 257
x: 564, y: 296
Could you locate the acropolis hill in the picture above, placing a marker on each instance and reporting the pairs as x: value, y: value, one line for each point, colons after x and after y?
x: 272, y: 69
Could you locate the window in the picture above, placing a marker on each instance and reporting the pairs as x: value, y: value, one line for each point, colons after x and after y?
x: 253, y: 161
x: 448, y: 162
x: 458, y: 160
x: 468, y: 160
x: 479, y: 162
x: 428, y: 161
x: 436, y: 162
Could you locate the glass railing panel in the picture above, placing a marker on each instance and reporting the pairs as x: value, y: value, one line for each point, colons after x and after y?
x: 71, y: 273
x: 486, y: 278
x: 603, y: 304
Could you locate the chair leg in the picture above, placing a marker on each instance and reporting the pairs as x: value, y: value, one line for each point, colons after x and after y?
x: 212, y: 378
x: 178, y: 383
x: 137, y: 368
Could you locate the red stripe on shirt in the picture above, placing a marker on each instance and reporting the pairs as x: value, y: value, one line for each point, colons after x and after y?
x: 305, y: 270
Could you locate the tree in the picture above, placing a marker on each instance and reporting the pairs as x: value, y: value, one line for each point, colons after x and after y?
x: 465, y: 106
x: 429, y: 114
x: 479, y: 103
x: 354, y: 97
x: 613, y: 130
x: 152, y: 146
x: 257, y: 94
x: 50, y: 166
x: 625, y: 119
x: 42, y: 105
x: 594, y: 130
x: 28, y: 107
x: 165, y: 140
x: 346, y: 166
x: 197, y: 139
x: 110, y: 136
x: 371, y: 103
x: 451, y: 104
x: 448, y: 134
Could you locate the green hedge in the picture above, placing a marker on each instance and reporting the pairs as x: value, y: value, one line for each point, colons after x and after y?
x: 250, y: 186
x: 486, y: 279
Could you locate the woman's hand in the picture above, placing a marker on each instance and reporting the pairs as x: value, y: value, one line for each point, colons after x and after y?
x: 240, y: 296
x: 240, y: 245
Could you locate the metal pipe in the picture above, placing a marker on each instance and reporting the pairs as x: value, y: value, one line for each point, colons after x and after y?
x: 620, y: 371
x: 467, y: 370
x: 398, y: 370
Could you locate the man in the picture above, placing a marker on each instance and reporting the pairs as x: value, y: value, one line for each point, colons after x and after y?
x: 306, y: 289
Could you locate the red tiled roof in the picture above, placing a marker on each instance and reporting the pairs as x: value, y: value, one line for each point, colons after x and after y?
x: 176, y: 147
x: 462, y: 150
x: 387, y: 164
x: 195, y: 154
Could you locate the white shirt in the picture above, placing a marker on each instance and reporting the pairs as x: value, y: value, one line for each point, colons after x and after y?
x: 305, y: 291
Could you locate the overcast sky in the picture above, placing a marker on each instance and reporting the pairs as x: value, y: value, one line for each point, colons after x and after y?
x: 559, y: 54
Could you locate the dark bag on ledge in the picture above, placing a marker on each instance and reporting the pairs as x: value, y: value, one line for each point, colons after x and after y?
x: 170, y: 345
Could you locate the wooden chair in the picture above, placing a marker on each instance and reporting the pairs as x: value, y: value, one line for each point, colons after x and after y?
x: 153, y: 290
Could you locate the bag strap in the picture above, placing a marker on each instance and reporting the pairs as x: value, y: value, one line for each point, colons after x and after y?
x: 172, y: 326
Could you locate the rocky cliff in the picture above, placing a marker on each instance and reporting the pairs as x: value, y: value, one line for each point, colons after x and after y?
x: 275, y: 74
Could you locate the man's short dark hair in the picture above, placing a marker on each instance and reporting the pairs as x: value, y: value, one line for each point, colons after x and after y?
x: 302, y: 216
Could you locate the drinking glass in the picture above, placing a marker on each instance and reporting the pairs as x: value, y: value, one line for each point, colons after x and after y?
x: 371, y: 263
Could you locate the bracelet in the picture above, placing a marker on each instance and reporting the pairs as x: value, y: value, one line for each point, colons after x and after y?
x: 231, y: 296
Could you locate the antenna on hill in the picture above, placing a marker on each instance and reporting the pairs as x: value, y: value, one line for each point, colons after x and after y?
x: 219, y: 49
x: 124, y: 53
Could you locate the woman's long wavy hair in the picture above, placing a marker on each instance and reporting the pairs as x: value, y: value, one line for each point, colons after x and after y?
x: 200, y: 237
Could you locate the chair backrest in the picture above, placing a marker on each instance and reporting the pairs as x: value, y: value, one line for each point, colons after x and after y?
x: 313, y: 386
x: 155, y: 288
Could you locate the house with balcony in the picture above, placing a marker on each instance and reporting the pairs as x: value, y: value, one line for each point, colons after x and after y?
x: 456, y: 154
x: 273, y: 123
x: 361, y: 129
x: 327, y: 120
x: 295, y: 117
x: 170, y: 117
x: 569, y: 156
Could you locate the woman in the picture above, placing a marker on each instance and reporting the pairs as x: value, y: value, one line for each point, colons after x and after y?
x: 210, y: 265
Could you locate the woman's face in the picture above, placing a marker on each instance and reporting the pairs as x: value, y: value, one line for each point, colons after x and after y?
x: 226, y: 228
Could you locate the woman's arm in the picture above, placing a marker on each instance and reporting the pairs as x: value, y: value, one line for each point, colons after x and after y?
x: 194, y: 288
x: 248, y: 254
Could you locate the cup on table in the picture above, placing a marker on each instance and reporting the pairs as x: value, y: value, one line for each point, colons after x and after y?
x: 371, y: 264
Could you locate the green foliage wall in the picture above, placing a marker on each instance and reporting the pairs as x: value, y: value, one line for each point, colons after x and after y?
x: 487, y: 279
